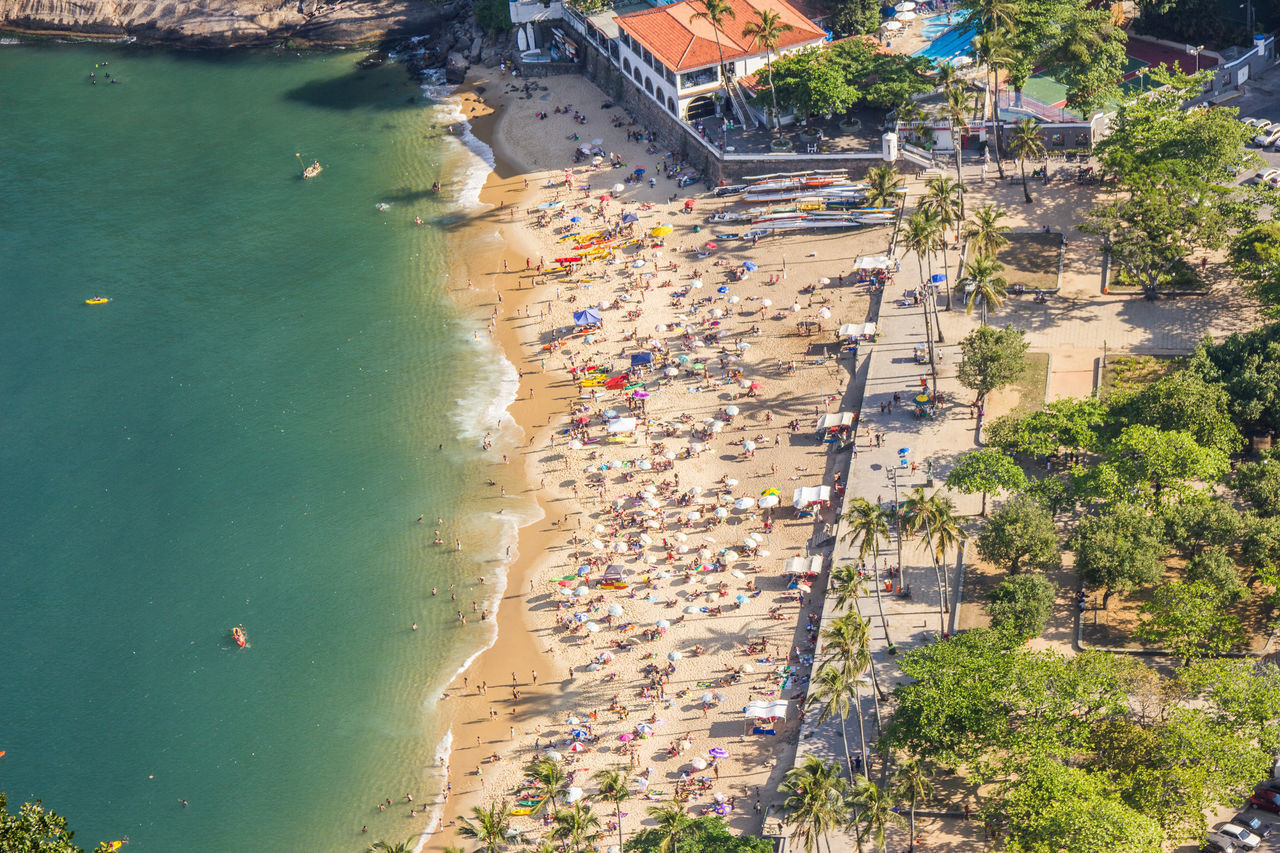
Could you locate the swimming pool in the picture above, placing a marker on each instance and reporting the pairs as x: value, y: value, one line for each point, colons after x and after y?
x: 947, y: 41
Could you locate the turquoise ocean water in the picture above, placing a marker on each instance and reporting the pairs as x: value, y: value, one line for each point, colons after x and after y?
x: 245, y: 434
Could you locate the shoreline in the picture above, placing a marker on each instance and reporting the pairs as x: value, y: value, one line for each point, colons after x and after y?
x: 509, y: 115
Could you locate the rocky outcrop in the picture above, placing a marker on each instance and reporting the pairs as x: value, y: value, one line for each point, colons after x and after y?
x: 223, y: 23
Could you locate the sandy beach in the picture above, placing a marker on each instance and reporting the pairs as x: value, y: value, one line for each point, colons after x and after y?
x: 656, y: 671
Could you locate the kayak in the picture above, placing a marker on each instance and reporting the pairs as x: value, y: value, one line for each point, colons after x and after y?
x: 238, y: 635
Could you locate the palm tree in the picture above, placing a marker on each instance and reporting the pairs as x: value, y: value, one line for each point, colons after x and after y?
x: 877, y: 812
x: 816, y: 800
x: 923, y: 235
x: 912, y: 782
x: 991, y: 48
x: 959, y: 105
x: 869, y: 523
x: 575, y: 826
x: 848, y: 584
x: 983, y: 231
x: 549, y: 773
x: 1024, y: 142
x: 613, y: 789
x: 767, y: 29
x: 715, y: 12
x: 883, y: 185
x: 917, y: 512
x: 673, y: 822
x: 398, y: 847
x: 947, y: 532
x: 846, y: 643
x: 945, y: 198
x: 488, y: 826
x: 835, y: 692
x: 983, y: 274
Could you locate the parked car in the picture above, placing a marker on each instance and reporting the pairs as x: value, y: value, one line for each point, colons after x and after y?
x: 1265, y: 175
x: 1230, y: 833
x: 1260, y: 138
x: 1272, y: 785
x: 1253, y: 824
x: 1265, y: 799
x: 1218, y: 847
x: 1250, y: 121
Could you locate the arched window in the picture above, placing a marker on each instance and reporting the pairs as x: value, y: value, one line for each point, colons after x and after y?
x: 648, y: 85
x: 671, y: 105
x: 702, y: 106
x: 626, y: 65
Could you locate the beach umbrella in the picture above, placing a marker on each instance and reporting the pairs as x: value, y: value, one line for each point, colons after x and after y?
x: 581, y: 591
x: 696, y: 283
x: 770, y: 491
x: 723, y: 809
x: 573, y: 795
x: 579, y: 734
x: 663, y: 623
x: 693, y: 515
x: 724, y: 288
x: 619, y: 547
x: 698, y: 763
x: 575, y: 219
x: 708, y: 698
x: 644, y: 728
x: 905, y: 16
x: 662, y: 230
x: 718, y: 752
x: 737, y: 574
x: 615, y: 609
x: 744, y: 346
x: 554, y: 756
x: 607, y: 657
x: 671, y: 371
x: 748, y: 445
x: 626, y: 736
x: 748, y: 668
x: 824, y: 281
x: 594, y: 667
x: 638, y: 262
x: 762, y: 553
x: 905, y: 6
x: 619, y: 188
x: 673, y: 656
x: 645, y: 538
x: 804, y: 587
x: 721, y: 512
x: 741, y: 599
x: 891, y: 26
x: 734, y: 300
x: 744, y: 503
x: 719, y: 797
x: 691, y: 609
x: 578, y: 746
x: 730, y: 556
x: 769, y: 501
x: 593, y: 627
x: 685, y: 744
x: 573, y: 721
x: 767, y: 303
x: 824, y: 313
x: 750, y: 266
x: 669, y: 455
x: 731, y: 411
x: 717, y: 312
x: 683, y: 359
x: 682, y: 537
x: 639, y: 171
x: 598, y: 528
x: 575, y: 445
x: 597, y: 544
x: 710, y: 245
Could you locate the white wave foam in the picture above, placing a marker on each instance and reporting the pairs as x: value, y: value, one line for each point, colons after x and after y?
x: 466, y: 188
x: 444, y: 750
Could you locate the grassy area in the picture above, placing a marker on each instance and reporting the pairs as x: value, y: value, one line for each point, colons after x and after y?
x: 1032, y: 260
x: 1183, y: 277
x: 1031, y: 385
x: 1129, y: 372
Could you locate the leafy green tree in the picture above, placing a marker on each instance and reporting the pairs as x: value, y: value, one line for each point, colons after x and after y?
x: 1119, y: 549
x: 1024, y: 144
x: 493, y: 16
x: 766, y: 30
x: 1254, y: 256
x: 487, y: 826
x: 1215, y: 568
x: 716, y: 13
x: 1259, y: 484
x: 816, y: 800
x: 1072, y: 424
x: 1088, y: 56
x: 1245, y: 693
x: 703, y: 835
x: 992, y: 358
x: 853, y: 17
x: 1182, y: 400
x: 831, y: 80
x: 394, y: 847
x: 673, y: 824
x: 1189, y: 619
x: 1191, y: 528
x: 1020, y: 536
x: 1248, y: 367
x: 34, y: 830
x: 1174, y: 189
x: 926, y: 517
x: 846, y: 645
x: 1052, y: 807
x: 986, y: 471
x: 613, y: 789
x: 983, y: 284
x: 1160, y: 464
x: 1021, y: 605
x: 810, y: 84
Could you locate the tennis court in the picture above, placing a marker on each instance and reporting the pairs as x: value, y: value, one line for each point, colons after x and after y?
x: 1049, y: 92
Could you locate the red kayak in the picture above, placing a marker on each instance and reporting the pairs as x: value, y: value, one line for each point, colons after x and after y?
x: 239, y: 636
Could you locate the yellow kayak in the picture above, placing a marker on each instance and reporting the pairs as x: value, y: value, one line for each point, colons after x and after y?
x: 97, y: 300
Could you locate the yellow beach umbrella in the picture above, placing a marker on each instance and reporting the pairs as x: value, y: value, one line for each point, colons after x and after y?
x: 768, y: 492
x: 662, y: 230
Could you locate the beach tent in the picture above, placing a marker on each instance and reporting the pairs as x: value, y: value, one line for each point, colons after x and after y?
x: 613, y: 573
x: 803, y: 565
x: 873, y: 262
x: 807, y: 495
x: 766, y: 710
x: 835, y: 421
x: 850, y: 330
x: 623, y: 425
x: 587, y: 317
x: 641, y: 358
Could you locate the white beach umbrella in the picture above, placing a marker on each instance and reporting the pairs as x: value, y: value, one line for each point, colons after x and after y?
x: 682, y: 537
x: 704, y: 554
x: 749, y: 445
x: 734, y: 300
x: 824, y: 313
x: 731, y: 411
x: 730, y: 483
x: 721, y: 512
x: 748, y: 668
x: 573, y: 795
x: 671, y: 371
x: 698, y: 763
x: 891, y: 26
x: 905, y: 16
x: 744, y: 503
x: 619, y: 547
x: 554, y: 756
x: 717, y: 313
x: 694, y: 515
x: 597, y: 544
x: 615, y: 609
x: 644, y: 465
x: 669, y: 455
x: 652, y: 524
x: 769, y: 501
x: 744, y: 346
x: 714, y: 596
x: 599, y: 528
x: 691, y: 609
x: 682, y: 549
x: 581, y: 592
x: 730, y: 556
x: 663, y: 623
x: 618, y: 188
x: 646, y: 539
x: 674, y: 655
x: 575, y: 445
x: 762, y: 553
x: 767, y: 303
x: 593, y: 627
x: 696, y: 283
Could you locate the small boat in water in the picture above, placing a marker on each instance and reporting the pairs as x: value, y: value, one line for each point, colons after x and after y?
x: 240, y: 637
x: 97, y: 300
x: 310, y: 171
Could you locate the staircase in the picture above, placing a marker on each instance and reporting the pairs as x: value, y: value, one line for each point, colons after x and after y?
x: 915, y: 155
x: 740, y: 104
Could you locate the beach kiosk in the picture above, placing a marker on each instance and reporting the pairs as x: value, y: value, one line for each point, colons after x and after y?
x: 835, y: 425
x: 809, y: 499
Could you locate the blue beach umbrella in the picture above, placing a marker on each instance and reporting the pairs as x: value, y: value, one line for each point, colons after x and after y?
x: 724, y: 288
x: 576, y: 219
x: 750, y: 266
x: 630, y: 217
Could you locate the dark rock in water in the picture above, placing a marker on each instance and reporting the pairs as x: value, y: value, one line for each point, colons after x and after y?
x: 455, y: 74
x: 373, y: 60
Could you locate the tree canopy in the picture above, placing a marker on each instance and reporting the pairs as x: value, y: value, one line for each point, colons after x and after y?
x: 1020, y: 536
x: 991, y: 358
x: 831, y: 80
x: 703, y: 835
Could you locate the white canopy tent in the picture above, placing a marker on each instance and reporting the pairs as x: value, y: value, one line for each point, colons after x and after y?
x: 760, y: 708
x: 806, y: 495
x: 835, y: 420
x: 802, y: 565
x: 622, y: 425
x: 873, y: 262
